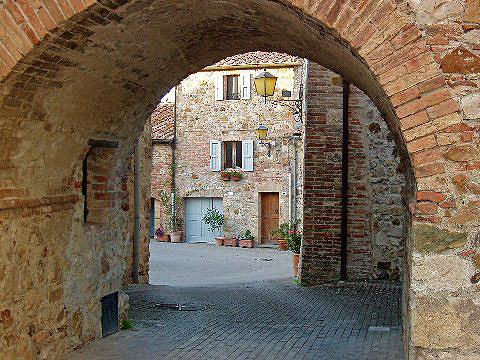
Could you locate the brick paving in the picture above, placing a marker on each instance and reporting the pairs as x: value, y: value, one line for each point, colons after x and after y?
x: 268, y: 319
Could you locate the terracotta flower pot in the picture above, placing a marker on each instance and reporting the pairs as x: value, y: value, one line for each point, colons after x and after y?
x: 176, y: 237
x: 225, y: 178
x: 282, y: 245
x: 295, y: 264
x: 163, y: 238
x: 246, y: 243
x: 236, y: 178
x: 230, y: 242
x: 219, y: 241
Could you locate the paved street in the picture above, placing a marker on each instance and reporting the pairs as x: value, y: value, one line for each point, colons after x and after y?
x: 205, y: 264
x: 263, y: 319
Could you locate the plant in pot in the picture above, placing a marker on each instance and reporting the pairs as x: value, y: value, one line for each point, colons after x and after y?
x: 160, y: 235
x: 173, y: 205
x: 281, y: 234
x: 247, y: 240
x: 236, y: 175
x: 294, y: 243
x: 225, y: 175
x: 215, y: 220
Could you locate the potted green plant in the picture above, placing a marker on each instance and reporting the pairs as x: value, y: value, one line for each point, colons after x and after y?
x: 236, y: 175
x: 281, y: 234
x: 247, y: 240
x: 173, y: 205
x: 294, y: 243
x: 225, y: 175
x: 160, y: 235
x: 215, y: 220
x: 230, y: 241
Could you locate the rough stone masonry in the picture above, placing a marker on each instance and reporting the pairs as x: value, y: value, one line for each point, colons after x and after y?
x: 77, y: 70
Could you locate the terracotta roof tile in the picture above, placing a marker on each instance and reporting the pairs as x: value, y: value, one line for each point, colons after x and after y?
x: 258, y: 57
x: 162, y: 122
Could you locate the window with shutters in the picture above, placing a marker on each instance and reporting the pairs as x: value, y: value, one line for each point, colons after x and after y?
x: 231, y: 87
x: 232, y: 154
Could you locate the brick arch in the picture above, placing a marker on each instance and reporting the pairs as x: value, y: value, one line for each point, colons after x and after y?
x: 76, y: 70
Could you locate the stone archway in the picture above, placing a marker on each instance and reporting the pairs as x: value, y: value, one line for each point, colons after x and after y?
x: 74, y: 71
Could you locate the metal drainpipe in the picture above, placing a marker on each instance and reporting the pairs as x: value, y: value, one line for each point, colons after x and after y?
x: 294, y: 180
x: 136, y: 211
x: 344, y: 226
x: 174, y: 140
x: 174, y: 145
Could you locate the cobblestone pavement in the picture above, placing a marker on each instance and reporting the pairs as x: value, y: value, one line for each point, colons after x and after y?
x: 268, y: 319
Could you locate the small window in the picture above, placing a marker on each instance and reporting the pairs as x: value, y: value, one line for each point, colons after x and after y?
x: 232, y: 154
x: 231, y: 87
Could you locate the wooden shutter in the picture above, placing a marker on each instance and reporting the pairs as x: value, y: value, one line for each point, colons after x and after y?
x: 247, y: 153
x: 218, y: 87
x: 245, y: 86
x: 215, y: 155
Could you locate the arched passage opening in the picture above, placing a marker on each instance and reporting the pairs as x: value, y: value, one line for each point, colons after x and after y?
x: 96, y: 71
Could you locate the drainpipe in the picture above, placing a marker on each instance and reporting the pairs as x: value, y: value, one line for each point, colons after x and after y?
x: 136, y: 211
x: 174, y: 145
x: 174, y: 140
x: 344, y: 227
x: 294, y: 180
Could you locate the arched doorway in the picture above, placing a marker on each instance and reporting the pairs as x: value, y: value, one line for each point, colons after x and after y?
x: 94, y: 71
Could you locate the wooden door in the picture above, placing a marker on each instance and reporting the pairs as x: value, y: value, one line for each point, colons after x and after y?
x: 269, y: 211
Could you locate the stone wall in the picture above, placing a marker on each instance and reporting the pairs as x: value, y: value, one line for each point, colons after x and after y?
x: 201, y: 118
x: 161, y: 179
x: 376, y: 213
x: 145, y: 148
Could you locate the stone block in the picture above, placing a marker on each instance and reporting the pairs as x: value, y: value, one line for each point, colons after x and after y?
x: 471, y: 106
x: 462, y: 153
x: 461, y: 61
x: 472, y: 11
x: 438, y: 272
x: 443, y: 323
x: 431, y: 239
x: 123, y: 306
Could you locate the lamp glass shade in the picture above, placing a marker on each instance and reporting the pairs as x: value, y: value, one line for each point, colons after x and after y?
x: 265, y: 83
x: 261, y: 132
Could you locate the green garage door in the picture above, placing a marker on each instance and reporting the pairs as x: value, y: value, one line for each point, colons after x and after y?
x: 196, y: 229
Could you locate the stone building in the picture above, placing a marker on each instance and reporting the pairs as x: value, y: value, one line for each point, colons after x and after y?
x: 217, y: 113
x: 73, y: 71
x: 203, y: 117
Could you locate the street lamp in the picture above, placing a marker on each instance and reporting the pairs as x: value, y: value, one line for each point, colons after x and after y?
x: 262, y: 131
x: 265, y: 84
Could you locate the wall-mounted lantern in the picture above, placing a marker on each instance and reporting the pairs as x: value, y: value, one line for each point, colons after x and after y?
x: 265, y: 84
x: 262, y: 131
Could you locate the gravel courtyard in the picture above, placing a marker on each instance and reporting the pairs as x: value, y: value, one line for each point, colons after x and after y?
x: 243, y: 304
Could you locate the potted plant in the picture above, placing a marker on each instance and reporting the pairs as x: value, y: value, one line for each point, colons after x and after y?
x: 294, y: 243
x: 175, y: 226
x: 215, y: 220
x: 225, y: 174
x: 281, y: 233
x: 247, y: 240
x: 160, y: 235
x: 173, y: 205
x: 231, y: 241
x: 236, y: 175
